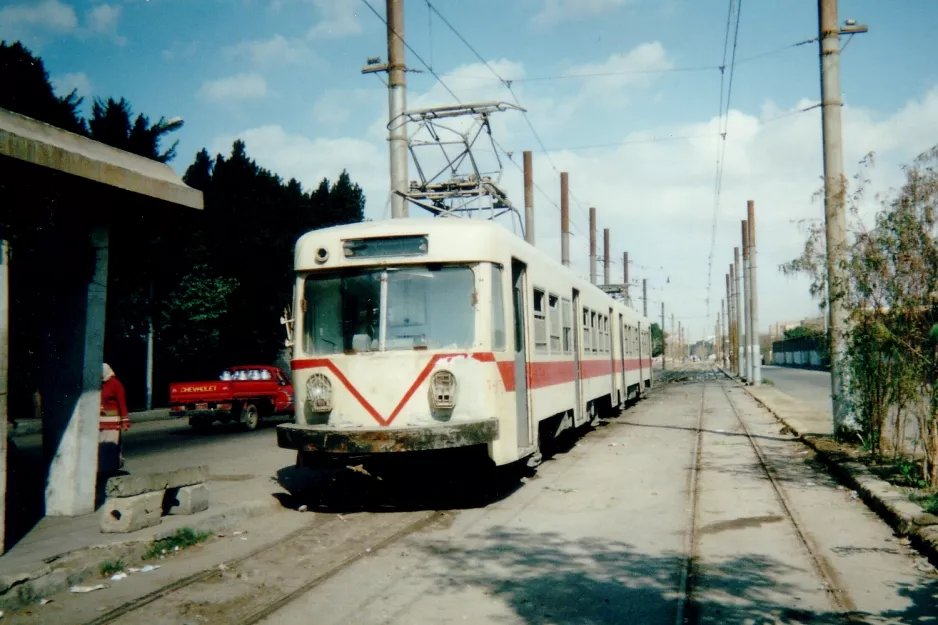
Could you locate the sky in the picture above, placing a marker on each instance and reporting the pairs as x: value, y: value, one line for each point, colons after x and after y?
x: 641, y: 141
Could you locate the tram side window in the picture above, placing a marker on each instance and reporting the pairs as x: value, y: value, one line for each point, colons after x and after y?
x: 606, y: 334
x: 567, y: 326
x: 594, y: 331
x: 554, y: 307
x: 587, y: 344
x: 540, y: 322
x: 498, y: 310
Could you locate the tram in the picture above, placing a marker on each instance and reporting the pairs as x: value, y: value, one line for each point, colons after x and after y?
x: 417, y: 335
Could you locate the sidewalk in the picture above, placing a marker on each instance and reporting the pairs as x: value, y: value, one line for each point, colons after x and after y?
x: 62, y: 551
x: 815, y: 429
x: 27, y: 427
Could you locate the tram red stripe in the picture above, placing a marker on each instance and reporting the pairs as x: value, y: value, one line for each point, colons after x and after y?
x: 540, y: 375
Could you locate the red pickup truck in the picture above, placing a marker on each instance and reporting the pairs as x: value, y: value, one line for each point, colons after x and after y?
x: 245, y: 394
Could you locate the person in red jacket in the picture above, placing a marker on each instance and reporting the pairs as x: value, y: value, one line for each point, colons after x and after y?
x: 113, y: 421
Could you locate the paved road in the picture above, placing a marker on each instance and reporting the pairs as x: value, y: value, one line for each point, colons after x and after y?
x: 811, y: 387
x: 241, y: 460
x: 601, y: 534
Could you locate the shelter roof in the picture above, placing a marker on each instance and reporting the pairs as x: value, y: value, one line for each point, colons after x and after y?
x: 41, y: 144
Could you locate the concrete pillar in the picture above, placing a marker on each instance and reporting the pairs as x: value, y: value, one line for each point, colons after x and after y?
x: 72, y: 386
x: 4, y: 384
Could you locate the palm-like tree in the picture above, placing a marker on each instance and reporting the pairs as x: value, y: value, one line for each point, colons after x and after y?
x: 110, y: 123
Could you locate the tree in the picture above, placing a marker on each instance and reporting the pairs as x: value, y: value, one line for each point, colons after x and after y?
x: 30, y: 92
x: 111, y: 123
x: 657, y: 340
x: 891, y: 288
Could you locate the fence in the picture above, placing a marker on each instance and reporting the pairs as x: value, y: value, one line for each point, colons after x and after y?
x: 800, y: 352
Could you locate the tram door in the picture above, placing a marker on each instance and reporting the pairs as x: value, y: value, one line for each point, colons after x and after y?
x: 611, y: 319
x: 519, y: 312
x: 579, y: 411
x: 641, y: 370
x: 625, y: 386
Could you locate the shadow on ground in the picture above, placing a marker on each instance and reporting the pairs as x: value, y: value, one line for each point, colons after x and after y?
x: 546, y: 578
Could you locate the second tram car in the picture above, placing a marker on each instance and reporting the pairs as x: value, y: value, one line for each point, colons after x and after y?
x: 414, y: 335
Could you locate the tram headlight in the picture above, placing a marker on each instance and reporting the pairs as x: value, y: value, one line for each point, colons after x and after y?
x: 443, y: 390
x: 319, y: 393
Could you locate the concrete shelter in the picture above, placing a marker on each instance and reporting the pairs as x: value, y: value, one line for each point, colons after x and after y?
x: 60, y: 194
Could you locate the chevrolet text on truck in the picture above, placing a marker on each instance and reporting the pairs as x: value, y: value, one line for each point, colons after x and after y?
x: 245, y: 394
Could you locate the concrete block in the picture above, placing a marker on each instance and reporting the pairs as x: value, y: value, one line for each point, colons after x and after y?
x: 186, y: 499
x: 129, y: 514
x: 130, y: 485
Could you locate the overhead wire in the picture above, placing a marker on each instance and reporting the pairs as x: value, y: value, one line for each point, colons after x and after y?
x: 514, y: 95
x: 724, y: 127
x: 412, y: 51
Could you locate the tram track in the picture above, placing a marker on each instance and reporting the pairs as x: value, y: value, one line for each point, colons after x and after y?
x: 839, y: 597
x: 297, y: 542
x: 686, y: 614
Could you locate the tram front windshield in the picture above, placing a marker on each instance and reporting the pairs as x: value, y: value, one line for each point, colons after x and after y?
x: 389, y: 308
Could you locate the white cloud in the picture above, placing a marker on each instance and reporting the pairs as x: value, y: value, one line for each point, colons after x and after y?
x: 233, y: 88
x: 637, y: 67
x: 562, y: 10
x: 339, y: 19
x: 24, y: 21
x: 333, y: 107
x: 657, y: 197
x: 180, y: 50
x: 102, y: 19
x: 277, y: 50
x: 64, y: 84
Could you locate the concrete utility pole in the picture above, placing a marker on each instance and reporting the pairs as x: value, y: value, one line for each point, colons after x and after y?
x: 592, y: 245
x: 564, y: 219
x: 740, y: 317
x: 644, y: 297
x: 397, y: 105
x: 4, y: 384
x: 754, y: 305
x: 726, y: 332
x: 834, y: 199
x: 528, y: 197
x: 625, y: 271
x: 734, y: 317
x: 150, y: 348
x: 664, y: 349
x: 673, y: 338
x: 606, y: 256
x: 680, y: 340
x: 747, y: 303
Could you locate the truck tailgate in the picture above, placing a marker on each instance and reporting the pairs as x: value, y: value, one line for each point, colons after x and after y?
x: 189, y: 392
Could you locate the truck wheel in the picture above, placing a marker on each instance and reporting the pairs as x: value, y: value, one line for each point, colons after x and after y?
x: 250, y: 417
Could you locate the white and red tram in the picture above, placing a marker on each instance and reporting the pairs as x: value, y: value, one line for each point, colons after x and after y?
x: 416, y: 335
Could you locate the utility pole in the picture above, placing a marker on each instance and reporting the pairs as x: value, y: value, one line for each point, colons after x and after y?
x: 606, y: 256
x: 625, y: 270
x: 680, y: 340
x: 834, y: 199
x: 528, y: 197
x: 673, y: 338
x: 740, y: 317
x: 4, y: 384
x: 747, y: 294
x: 724, y: 331
x: 397, y: 105
x: 754, y: 294
x: 592, y: 245
x: 150, y: 349
x: 664, y: 350
x: 645, y: 297
x: 564, y: 219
